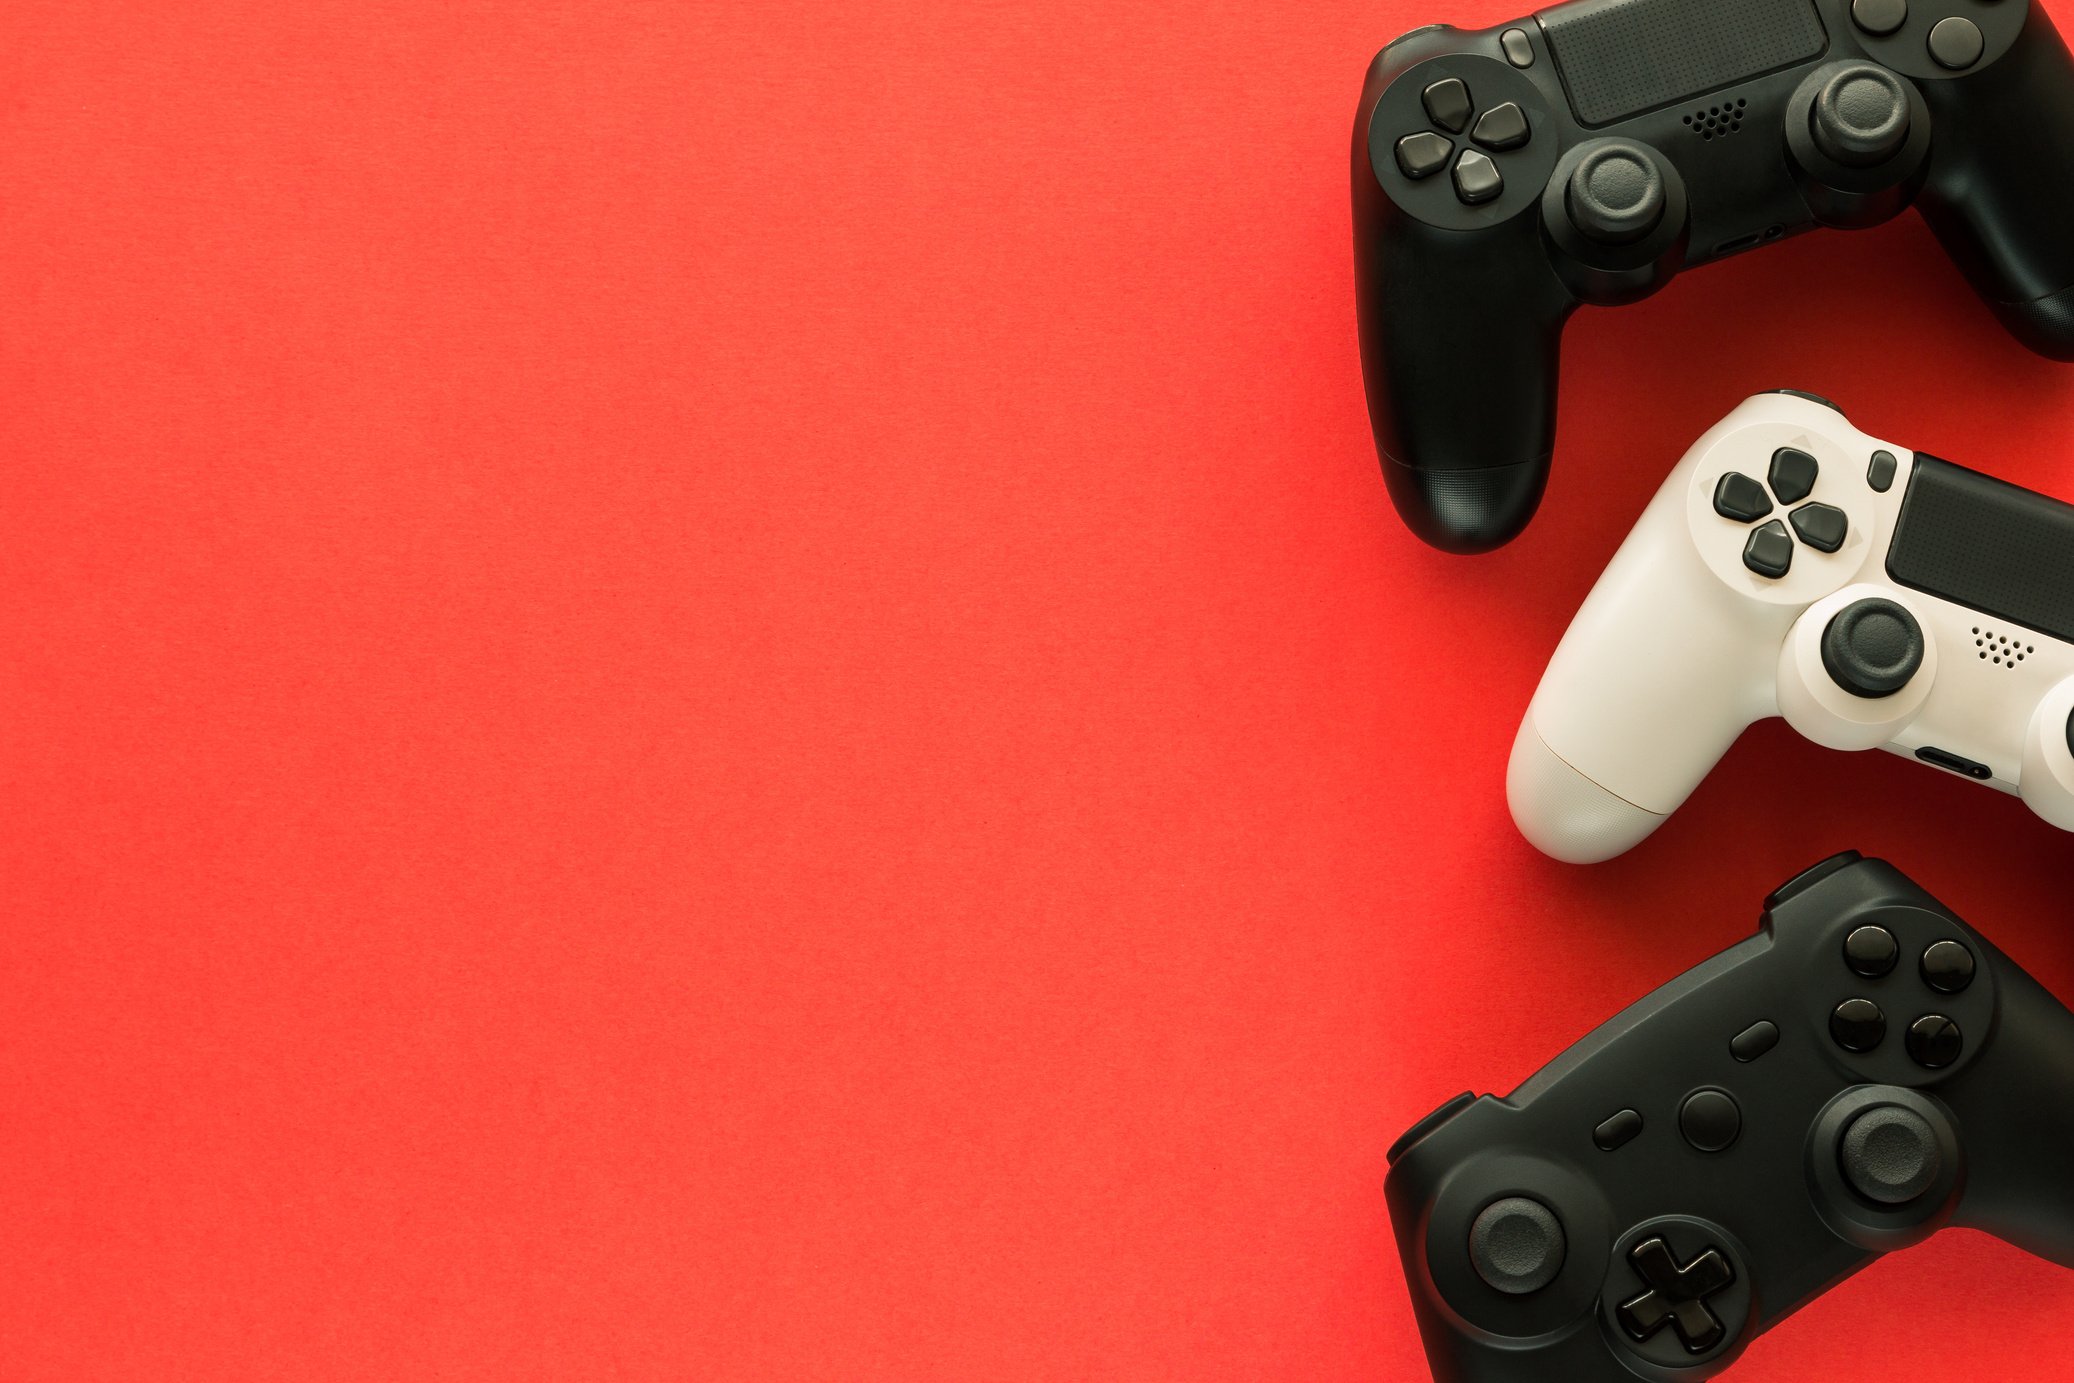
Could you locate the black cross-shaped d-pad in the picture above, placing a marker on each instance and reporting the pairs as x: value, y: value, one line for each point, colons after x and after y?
x: 1677, y: 1296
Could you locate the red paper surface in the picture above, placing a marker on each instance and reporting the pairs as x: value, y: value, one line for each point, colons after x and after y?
x: 726, y: 692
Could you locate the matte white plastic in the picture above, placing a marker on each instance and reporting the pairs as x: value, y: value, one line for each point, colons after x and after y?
x: 1680, y: 648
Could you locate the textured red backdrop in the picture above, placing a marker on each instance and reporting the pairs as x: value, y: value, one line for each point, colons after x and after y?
x: 726, y: 692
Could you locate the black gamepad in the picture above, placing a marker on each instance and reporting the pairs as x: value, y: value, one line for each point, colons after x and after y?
x: 1862, y: 1073
x: 1504, y: 178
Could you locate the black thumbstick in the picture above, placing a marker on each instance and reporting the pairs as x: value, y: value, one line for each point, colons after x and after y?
x: 1517, y: 1246
x: 1891, y: 1156
x: 1861, y: 116
x: 1873, y: 648
x: 1616, y: 196
x: 2070, y: 733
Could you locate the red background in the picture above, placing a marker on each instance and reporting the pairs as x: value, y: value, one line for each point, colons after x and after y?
x: 726, y: 692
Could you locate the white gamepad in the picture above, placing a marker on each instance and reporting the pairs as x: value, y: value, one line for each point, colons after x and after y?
x: 1876, y: 598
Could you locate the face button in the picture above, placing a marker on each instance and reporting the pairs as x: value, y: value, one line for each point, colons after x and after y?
x: 1710, y: 1121
x: 1881, y: 474
x: 1957, y: 44
x: 1769, y: 552
x: 1890, y: 1156
x: 1502, y: 127
x: 1518, y: 51
x: 1740, y: 498
x: 1822, y: 527
x: 1858, y: 1025
x: 1861, y: 116
x: 1794, y: 474
x: 1871, y: 952
x: 1423, y: 155
x: 1616, y: 196
x: 1879, y: 17
x: 1516, y: 1246
x: 1873, y: 648
x: 1618, y: 1131
x: 1677, y: 1296
x: 1948, y: 967
x: 1754, y: 1041
x: 1429, y: 1124
x: 1934, y: 1041
x: 1449, y: 105
x: 1477, y: 180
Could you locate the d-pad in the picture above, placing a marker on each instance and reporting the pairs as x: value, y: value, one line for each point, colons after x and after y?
x: 1677, y: 1296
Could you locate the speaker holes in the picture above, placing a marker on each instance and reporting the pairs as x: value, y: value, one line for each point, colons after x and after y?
x: 1717, y: 122
x: 2000, y: 649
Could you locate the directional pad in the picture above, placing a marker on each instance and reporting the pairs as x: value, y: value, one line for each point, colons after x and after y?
x: 1477, y: 179
x: 1677, y: 1296
x: 1769, y: 552
x: 1422, y: 155
x: 1740, y: 498
x: 1502, y: 127
x: 1822, y: 527
x: 1794, y: 473
x: 1448, y: 104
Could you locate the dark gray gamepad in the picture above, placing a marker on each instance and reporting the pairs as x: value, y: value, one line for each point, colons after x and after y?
x: 1862, y: 1073
x: 1504, y: 178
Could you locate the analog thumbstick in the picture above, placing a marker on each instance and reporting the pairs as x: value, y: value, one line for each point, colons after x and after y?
x: 1516, y: 1246
x: 1616, y: 196
x: 1861, y: 116
x: 1873, y: 648
x: 1891, y: 1156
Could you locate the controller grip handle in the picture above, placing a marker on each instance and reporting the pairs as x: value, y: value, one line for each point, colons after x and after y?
x: 2000, y: 194
x: 2016, y: 1120
x: 1460, y: 337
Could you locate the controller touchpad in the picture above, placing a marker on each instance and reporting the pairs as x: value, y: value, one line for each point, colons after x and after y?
x: 1622, y: 57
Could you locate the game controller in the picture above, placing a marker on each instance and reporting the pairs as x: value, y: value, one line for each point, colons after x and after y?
x: 1504, y: 178
x: 1792, y: 565
x: 1862, y: 1073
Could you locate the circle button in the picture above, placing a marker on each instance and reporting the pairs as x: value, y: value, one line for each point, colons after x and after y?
x: 1858, y: 1025
x: 1710, y: 1120
x: 1517, y: 1246
x: 1935, y: 1042
x: 1871, y: 952
x: 1948, y: 967
x: 1957, y: 43
x: 1890, y: 1156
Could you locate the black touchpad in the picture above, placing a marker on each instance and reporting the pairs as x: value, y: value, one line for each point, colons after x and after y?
x: 1622, y: 57
x: 1987, y: 544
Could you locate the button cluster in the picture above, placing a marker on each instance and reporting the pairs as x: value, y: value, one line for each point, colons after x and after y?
x: 1499, y: 130
x: 1955, y: 43
x: 1746, y: 500
x: 1859, y: 1024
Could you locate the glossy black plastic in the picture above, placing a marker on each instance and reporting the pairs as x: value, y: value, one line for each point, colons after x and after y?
x: 1827, y: 1159
x: 1462, y: 307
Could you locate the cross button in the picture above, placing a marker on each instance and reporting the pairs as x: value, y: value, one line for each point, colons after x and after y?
x: 1677, y: 1296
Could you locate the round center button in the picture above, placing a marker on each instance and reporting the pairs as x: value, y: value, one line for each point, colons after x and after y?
x: 1935, y: 1042
x: 1517, y: 1246
x: 1871, y: 952
x: 1890, y: 1156
x: 1616, y: 195
x: 1948, y: 967
x: 1710, y: 1120
x: 1858, y: 1025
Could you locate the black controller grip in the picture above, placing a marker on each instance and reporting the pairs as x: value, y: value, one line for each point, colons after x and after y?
x: 1460, y: 339
x: 2016, y: 1118
x: 2000, y: 195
